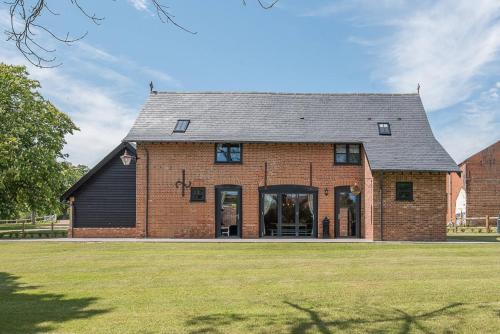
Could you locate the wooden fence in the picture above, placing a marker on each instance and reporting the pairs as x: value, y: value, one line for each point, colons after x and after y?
x: 473, y: 224
x: 46, y: 226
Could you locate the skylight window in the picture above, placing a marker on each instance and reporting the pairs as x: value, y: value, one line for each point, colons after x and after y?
x: 182, y: 125
x: 384, y: 129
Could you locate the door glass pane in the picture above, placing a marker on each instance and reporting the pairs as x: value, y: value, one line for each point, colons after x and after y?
x: 229, y: 213
x: 270, y: 210
x: 347, y: 215
x: 288, y: 214
x: 306, y: 215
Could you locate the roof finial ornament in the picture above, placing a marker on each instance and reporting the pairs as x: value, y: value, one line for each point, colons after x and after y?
x: 418, y: 88
x: 151, y: 87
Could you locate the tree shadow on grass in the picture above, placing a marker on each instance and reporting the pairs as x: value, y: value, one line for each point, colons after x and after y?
x: 310, y: 321
x: 22, y: 312
x: 406, y: 322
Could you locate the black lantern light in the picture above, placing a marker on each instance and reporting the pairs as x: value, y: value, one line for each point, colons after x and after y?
x: 126, y: 158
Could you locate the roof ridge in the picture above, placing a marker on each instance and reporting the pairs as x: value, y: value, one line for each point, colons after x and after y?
x: 282, y: 93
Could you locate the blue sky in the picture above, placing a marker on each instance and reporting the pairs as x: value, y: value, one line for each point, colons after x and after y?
x: 452, y: 48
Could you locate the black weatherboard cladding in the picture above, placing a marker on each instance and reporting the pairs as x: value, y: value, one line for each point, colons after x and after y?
x: 107, y: 198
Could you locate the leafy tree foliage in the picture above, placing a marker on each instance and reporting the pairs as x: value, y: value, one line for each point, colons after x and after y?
x: 32, y: 135
x: 69, y: 175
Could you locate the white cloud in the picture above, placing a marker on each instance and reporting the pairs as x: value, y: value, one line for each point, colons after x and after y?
x: 94, y: 88
x: 103, y: 120
x: 140, y: 4
x: 452, y: 48
x: 446, y: 47
x: 477, y: 125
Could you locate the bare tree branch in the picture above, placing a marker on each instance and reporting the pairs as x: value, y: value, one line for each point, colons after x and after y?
x: 270, y: 5
x: 25, y: 27
x: 165, y: 16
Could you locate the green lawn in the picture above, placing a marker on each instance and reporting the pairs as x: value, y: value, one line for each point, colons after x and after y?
x: 483, y: 237
x: 249, y: 288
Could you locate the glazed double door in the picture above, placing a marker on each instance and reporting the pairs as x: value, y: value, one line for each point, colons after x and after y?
x: 288, y: 214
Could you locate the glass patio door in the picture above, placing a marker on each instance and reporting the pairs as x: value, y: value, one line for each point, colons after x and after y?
x: 347, y: 213
x: 288, y: 214
x: 228, y: 211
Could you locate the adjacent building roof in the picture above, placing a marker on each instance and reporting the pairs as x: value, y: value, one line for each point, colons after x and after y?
x: 300, y: 118
x: 489, y: 147
x: 117, y: 150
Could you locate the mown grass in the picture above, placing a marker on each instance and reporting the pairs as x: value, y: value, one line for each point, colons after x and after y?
x: 482, y: 237
x: 249, y: 288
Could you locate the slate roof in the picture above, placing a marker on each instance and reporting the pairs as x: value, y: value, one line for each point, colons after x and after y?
x: 300, y: 118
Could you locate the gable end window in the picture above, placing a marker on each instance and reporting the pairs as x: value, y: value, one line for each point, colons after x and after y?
x: 197, y: 194
x: 347, y: 154
x: 384, y: 129
x: 181, y: 125
x: 228, y: 153
x: 404, y: 191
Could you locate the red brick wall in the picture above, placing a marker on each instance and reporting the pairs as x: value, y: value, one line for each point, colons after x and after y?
x: 481, y: 180
x: 482, y: 183
x: 424, y: 218
x: 171, y: 215
x: 123, y: 232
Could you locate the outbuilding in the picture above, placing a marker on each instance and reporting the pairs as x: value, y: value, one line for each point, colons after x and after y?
x: 103, y: 200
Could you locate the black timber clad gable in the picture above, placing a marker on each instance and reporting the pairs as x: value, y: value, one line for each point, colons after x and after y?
x: 107, y: 197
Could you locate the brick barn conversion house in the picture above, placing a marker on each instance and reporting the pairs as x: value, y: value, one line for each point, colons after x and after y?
x: 475, y: 192
x: 270, y: 165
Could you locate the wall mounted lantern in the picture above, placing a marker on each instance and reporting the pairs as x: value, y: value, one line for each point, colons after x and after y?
x: 326, y: 191
x: 126, y: 158
x: 355, y: 189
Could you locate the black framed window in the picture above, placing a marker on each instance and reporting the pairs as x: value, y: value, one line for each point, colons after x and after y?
x: 384, y: 129
x: 347, y: 154
x: 404, y: 191
x: 197, y: 194
x: 181, y: 125
x: 228, y: 153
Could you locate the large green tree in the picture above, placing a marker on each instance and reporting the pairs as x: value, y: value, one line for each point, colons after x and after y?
x: 69, y: 175
x: 32, y: 135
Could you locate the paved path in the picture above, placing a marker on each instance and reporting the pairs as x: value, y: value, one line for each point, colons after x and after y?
x: 167, y: 240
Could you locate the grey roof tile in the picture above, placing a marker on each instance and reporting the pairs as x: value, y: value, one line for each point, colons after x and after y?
x: 306, y: 118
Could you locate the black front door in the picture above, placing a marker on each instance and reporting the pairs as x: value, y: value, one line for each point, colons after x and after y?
x: 347, y: 213
x: 288, y: 211
x: 228, y: 211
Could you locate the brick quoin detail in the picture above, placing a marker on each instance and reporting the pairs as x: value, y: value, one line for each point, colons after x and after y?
x: 174, y: 216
